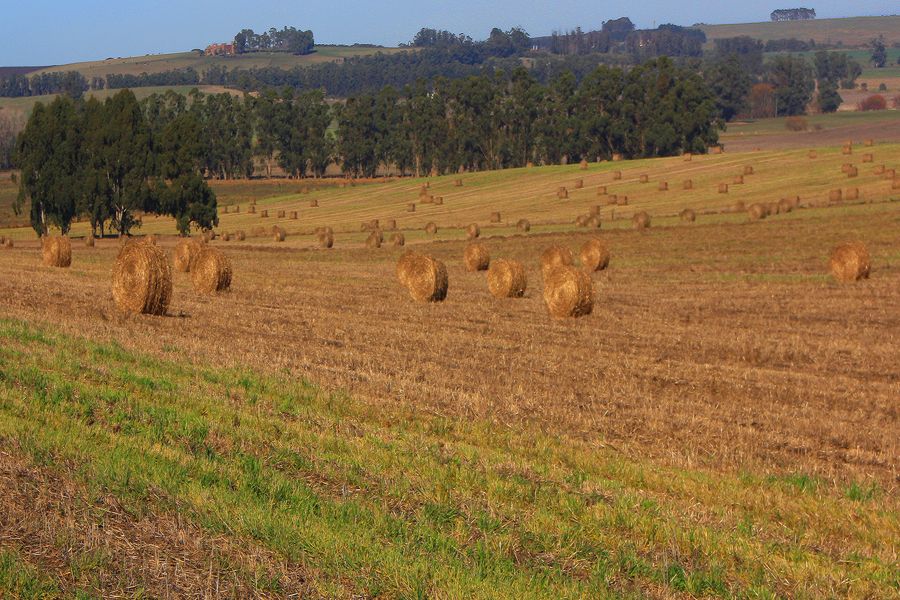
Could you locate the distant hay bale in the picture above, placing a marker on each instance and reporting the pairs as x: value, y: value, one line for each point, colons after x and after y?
x: 562, y: 193
x: 240, y: 235
x: 846, y: 167
x: 398, y: 239
x: 853, y: 172
x: 773, y: 208
x: 225, y: 210
x: 738, y: 207
x: 835, y: 196
x: 846, y: 150
x: 56, y: 251
x: 715, y: 150
x: 426, y: 199
x: 595, y: 210
x: 644, y: 178
x: 867, y: 158
x: 612, y: 199
x: 895, y: 184
x: 583, y: 164
x: 592, y: 222
x: 473, y: 231
x: 237, y: 208
x: 280, y: 214
x: 748, y: 170
x: 506, y: 279
x: 688, y: 157
x: 313, y: 203
x: 616, y: 157
x: 423, y: 191
x: 8, y: 243
x: 688, y: 215
x: 294, y: 215
x: 869, y: 143
x: 476, y: 257
x: 142, y: 280
x: 431, y: 228
x: 688, y: 184
x: 458, y: 183
x: 495, y: 217
x: 640, y: 220
x: 555, y: 256
x: 438, y: 200
x: 252, y: 210
x: 226, y: 237
x: 756, y: 212
x: 617, y: 175
x: 663, y: 186
x: 795, y: 201
x: 253, y: 202
x: 424, y: 277
x: 579, y: 184
x: 594, y: 255
x: 850, y: 261
x: 889, y: 174
x: 738, y: 180
x: 264, y: 214
x: 601, y: 190
x: 813, y: 154
x: 581, y: 220
x: 89, y: 240
x: 621, y: 200
x: 523, y: 225
x: 390, y: 224
x: 723, y: 188
x: 785, y: 206
x: 211, y: 271
x: 325, y: 239
x: 278, y: 234
x: 186, y: 250
x: 411, y: 207
x: 529, y: 165
x: 568, y: 292
x: 852, y: 194
x: 374, y: 240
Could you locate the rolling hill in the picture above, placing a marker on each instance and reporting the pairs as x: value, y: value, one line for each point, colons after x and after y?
x: 850, y: 31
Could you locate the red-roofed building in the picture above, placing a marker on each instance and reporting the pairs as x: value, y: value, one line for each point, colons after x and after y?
x: 220, y: 50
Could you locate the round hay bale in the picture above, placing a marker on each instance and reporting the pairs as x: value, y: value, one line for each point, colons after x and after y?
x: 374, y: 240
x: 562, y: 193
x: 688, y: 184
x: 853, y: 172
x: 663, y: 186
x: 240, y: 235
x: 850, y: 262
x: 592, y: 222
x: 226, y: 237
x: 506, y: 279
x: 390, y: 224
x: 688, y: 215
x: 845, y: 168
x: 773, y: 208
x: 89, y: 241
x: 852, y: 194
x: 895, y: 184
x: 644, y: 178
x: 431, y: 228
x: 835, y: 196
x: 581, y: 220
x: 594, y: 255
x: 738, y: 180
x: 56, y: 251
x: 813, y: 154
x: 313, y: 203
x: 622, y: 201
x: 555, y: 256
x: 252, y: 210
x: 425, y: 277
x: 723, y: 188
x: 595, y: 210
x: 8, y: 243
x: 438, y: 200
x: 523, y: 225
x: 617, y: 175
x: 601, y: 190
x: 495, y: 217
x: 738, y: 207
x: 611, y: 200
x: 476, y: 257
x: 211, y: 271
x: 411, y: 207
x: 294, y: 215
x: 458, y: 183
x: 142, y: 279
x: 326, y: 239
x: 889, y: 173
x: 473, y: 231
x: 568, y: 292
x: 785, y: 206
x: 756, y: 212
x: 280, y: 214
x: 398, y: 239
x: 869, y: 143
x: 278, y: 234
x: 237, y: 208
x: 846, y: 150
x: 795, y: 201
x: 748, y: 170
x: 617, y: 156
x: 264, y: 214
x: 583, y: 164
x: 867, y: 158
x: 688, y: 157
x: 579, y: 184
x: 225, y: 210
x: 715, y: 150
x: 641, y: 220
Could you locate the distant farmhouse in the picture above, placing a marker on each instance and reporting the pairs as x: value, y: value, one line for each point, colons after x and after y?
x: 220, y: 50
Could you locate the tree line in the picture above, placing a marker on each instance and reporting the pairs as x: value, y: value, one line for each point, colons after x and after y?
x: 287, y: 39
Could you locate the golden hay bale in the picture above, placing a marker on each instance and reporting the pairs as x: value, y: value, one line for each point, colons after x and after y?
x: 264, y: 214
x: 594, y: 255
x: 225, y: 237
x: 225, y: 210
x: 617, y: 175
x: 795, y: 201
x: 431, y: 228
x: 411, y: 207
x: 390, y: 224
x: 294, y: 215
x: 601, y: 190
x: 562, y: 193
x: 326, y: 239
x: 476, y: 257
x: 495, y: 217
x: 644, y: 178
x: 426, y: 199
x: 867, y: 158
x: 756, y: 212
x: 374, y: 240
x: 715, y: 150
x: 579, y: 184
x: 211, y: 271
x: 723, y: 188
x: 403, y: 264
x: 458, y: 183
x: 612, y: 199
x: 555, y: 256
x: 895, y: 185
x: 617, y: 156
x: 853, y: 172
x: 252, y: 210
x: 506, y: 279
x: 688, y: 215
x: 473, y: 231
x: 280, y: 214
x: 314, y: 203
x: 835, y: 196
x: 439, y: 200
x: 581, y: 220
x: 748, y: 170
x: 253, y: 202
x: 237, y: 208
x: 89, y: 240
x: 529, y: 165
x: 738, y: 180
x: 142, y: 279
x: 185, y: 251
x: 595, y: 210
x: 852, y: 194
x: 8, y: 243
x: 889, y: 173
x: 622, y: 201
x: 523, y: 225
x: 847, y: 150
x: 773, y: 208
x: 398, y: 239
x: 2, y: 240
x: 869, y: 142
x: 738, y: 207
x: 850, y: 262
x: 568, y: 292
x: 663, y: 186
x: 583, y: 164
x: 813, y: 154
x: 278, y: 234
x: 640, y: 220
x: 592, y: 222
x: 688, y: 157
x: 240, y: 235
x: 688, y: 184
x: 785, y: 206
x: 846, y: 167
x: 425, y: 277
x: 56, y: 251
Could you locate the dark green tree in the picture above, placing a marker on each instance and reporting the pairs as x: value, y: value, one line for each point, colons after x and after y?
x: 792, y: 78
x: 730, y: 83
x: 829, y: 98
x: 879, y: 53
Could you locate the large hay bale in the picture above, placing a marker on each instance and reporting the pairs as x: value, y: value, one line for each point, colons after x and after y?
x: 723, y: 188
x: 431, y: 228
x: 869, y: 143
x: 846, y: 167
x: 568, y: 292
x: 313, y: 203
x: 89, y: 241
x: 595, y: 210
x: 594, y: 255
x: 278, y: 234
x: 237, y: 208
x: 688, y: 215
x: 476, y: 257
x: 738, y: 180
x: 226, y: 237
x: 601, y: 190
x: 374, y: 240
x: 252, y: 210
x: 425, y: 277
x: 756, y: 212
x: 663, y: 186
x: 688, y: 184
x: 325, y: 239
x: 579, y: 184
x: 889, y: 173
x: 644, y: 178
x: 495, y: 217
x: 592, y: 222
x: 398, y: 239
x: 773, y: 208
x: 617, y: 175
x: 56, y: 251
x: 411, y: 207
x: 390, y: 224
x: 240, y: 236
x: 142, y: 279
x: 211, y: 271
x: 617, y: 156
x: 473, y: 231
x: 852, y: 194
x: 641, y: 220
x: 506, y: 279
x: 555, y: 256
x: 846, y: 150
x: 621, y: 200
x: 562, y: 193
x: 850, y: 262
x: 835, y: 196
x: 867, y: 158
x: 523, y: 225
x: 748, y: 170
x: 895, y: 184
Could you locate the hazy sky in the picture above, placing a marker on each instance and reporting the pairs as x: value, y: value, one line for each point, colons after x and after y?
x: 46, y: 32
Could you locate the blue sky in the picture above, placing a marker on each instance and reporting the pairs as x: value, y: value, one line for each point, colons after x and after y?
x: 45, y: 32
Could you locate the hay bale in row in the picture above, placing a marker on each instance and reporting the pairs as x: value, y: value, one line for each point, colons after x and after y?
x: 278, y: 234
x: 458, y: 183
x: 594, y: 255
x: 568, y: 292
x: 617, y: 175
x: 390, y: 225
x: 845, y: 168
x: 411, y: 207
x: 601, y: 190
x: 641, y: 220
x: 757, y: 211
x: 374, y: 240
x: 473, y: 231
x: 555, y: 256
x: 785, y: 206
x: 688, y: 215
x: 612, y: 199
x: 879, y: 170
x: 6, y: 242
x: 853, y: 172
x: 644, y: 178
x: 506, y: 279
x: 663, y: 186
x: 688, y: 157
x: 723, y: 188
x: 748, y: 170
x: 314, y: 203
x: 688, y: 184
x: 438, y: 200
x: 325, y: 238
x: 583, y: 164
x: 835, y: 196
x: 398, y: 239
x: 240, y: 236
x: 523, y: 225
x: 579, y: 184
x: 495, y: 217
x: 850, y: 261
x: 280, y: 214
x: 867, y: 158
x: 738, y: 180
x: 424, y: 277
x: 813, y: 154
x: 294, y: 215
x: 56, y: 251
x: 142, y: 279
x: 252, y: 210
x: 211, y: 271
x: 847, y: 150
x: 852, y: 194
x: 264, y: 214
x: 562, y: 193
x: 431, y: 228
x: 186, y: 250
x: 476, y: 257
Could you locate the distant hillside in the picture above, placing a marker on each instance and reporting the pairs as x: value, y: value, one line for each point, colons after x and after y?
x: 6, y: 71
x: 851, y: 31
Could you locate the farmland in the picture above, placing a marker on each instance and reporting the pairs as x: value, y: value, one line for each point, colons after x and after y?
x: 851, y: 31
x: 722, y: 424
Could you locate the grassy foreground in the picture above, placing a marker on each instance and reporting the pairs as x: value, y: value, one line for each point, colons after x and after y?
x: 375, y: 502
